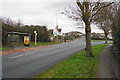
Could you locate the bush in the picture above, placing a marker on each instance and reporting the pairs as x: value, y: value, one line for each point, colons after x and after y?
x: 43, y: 34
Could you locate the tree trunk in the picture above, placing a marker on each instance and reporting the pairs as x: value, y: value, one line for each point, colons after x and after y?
x: 105, y: 38
x: 88, y: 40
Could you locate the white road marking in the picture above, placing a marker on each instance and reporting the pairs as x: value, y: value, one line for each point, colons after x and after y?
x: 22, y: 55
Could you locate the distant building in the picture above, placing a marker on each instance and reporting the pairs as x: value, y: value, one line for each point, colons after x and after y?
x: 73, y: 34
x: 52, y: 33
x: 100, y: 35
x: 110, y: 34
x: 58, y: 29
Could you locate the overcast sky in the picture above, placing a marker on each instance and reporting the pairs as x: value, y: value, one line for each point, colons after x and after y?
x: 41, y: 12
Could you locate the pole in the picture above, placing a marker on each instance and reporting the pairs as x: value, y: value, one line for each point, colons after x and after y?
x: 57, y: 34
x: 57, y: 25
x: 35, y: 37
x: 56, y: 20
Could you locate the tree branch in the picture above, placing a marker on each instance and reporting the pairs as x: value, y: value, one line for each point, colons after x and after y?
x: 99, y: 10
x: 80, y: 5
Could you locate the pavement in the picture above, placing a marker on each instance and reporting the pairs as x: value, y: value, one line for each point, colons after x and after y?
x: 25, y: 49
x: 28, y: 64
x: 108, y: 64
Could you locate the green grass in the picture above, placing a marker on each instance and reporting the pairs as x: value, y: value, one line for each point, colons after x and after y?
x: 101, y: 40
x: 43, y: 43
x: 97, y: 40
x: 109, y: 43
x: 5, y: 48
x: 32, y: 44
x: 77, y: 66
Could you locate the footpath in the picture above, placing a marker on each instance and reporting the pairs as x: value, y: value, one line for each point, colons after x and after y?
x: 22, y: 50
x: 108, y: 64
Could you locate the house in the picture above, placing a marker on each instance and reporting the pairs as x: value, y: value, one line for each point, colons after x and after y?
x: 100, y: 35
x: 73, y: 34
x: 54, y: 32
x: 110, y: 34
x: 50, y: 31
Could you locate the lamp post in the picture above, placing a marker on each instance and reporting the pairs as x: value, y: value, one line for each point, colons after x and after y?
x: 57, y: 18
x: 57, y: 25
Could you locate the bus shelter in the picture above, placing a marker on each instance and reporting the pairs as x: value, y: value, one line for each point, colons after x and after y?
x: 17, y: 39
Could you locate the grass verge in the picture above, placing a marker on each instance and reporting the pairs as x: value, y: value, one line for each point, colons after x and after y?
x: 97, y: 40
x: 77, y: 66
x: 43, y: 43
x: 5, y: 48
x: 32, y: 44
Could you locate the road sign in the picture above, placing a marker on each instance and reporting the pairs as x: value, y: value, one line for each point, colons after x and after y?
x: 34, y: 31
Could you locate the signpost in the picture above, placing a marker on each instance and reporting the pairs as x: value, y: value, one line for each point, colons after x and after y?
x: 35, y: 37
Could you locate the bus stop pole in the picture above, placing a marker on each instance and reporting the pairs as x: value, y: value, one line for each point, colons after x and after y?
x: 35, y: 37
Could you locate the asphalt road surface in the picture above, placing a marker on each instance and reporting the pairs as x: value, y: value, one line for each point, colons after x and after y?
x: 28, y: 64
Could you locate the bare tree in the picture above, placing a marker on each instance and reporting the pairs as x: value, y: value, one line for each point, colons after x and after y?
x: 9, y: 21
x: 87, y: 11
x: 103, y: 19
x: 19, y: 23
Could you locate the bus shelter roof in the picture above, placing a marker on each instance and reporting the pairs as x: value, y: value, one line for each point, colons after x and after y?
x: 18, y: 33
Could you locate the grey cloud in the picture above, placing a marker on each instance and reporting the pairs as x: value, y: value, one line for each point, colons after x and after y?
x: 42, y: 13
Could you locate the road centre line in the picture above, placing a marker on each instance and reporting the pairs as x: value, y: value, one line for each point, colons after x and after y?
x: 21, y: 55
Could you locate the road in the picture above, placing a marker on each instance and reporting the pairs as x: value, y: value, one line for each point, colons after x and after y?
x: 28, y: 64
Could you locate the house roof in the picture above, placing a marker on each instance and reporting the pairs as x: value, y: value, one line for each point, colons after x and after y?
x: 59, y: 30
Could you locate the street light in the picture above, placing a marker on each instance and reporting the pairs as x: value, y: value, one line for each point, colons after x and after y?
x: 57, y: 24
